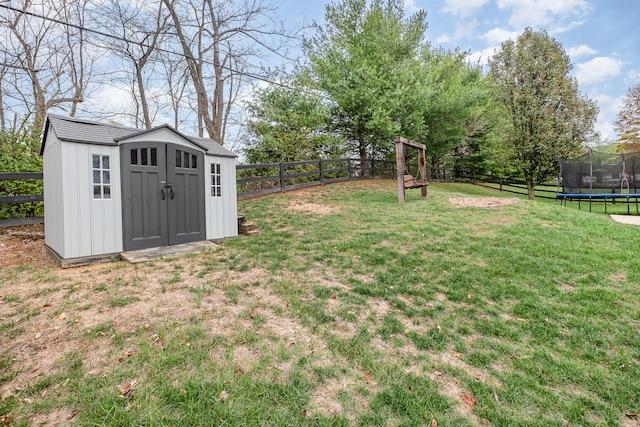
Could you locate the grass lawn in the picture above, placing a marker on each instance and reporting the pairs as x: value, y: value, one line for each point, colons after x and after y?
x: 348, y: 309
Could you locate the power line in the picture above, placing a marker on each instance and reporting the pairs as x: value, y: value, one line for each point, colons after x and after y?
x: 141, y: 44
x: 58, y: 21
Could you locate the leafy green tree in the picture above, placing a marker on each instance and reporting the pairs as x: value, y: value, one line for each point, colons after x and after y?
x: 627, y: 123
x: 482, y: 147
x: 289, y: 123
x: 454, y: 97
x: 364, y: 61
x: 549, y: 116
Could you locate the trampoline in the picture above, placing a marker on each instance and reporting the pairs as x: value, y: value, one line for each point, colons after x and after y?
x: 601, y: 177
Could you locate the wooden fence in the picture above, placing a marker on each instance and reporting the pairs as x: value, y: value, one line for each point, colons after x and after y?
x: 20, y: 199
x: 259, y: 179
x: 265, y: 178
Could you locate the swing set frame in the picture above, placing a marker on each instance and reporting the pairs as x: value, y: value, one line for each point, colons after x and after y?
x: 405, y: 179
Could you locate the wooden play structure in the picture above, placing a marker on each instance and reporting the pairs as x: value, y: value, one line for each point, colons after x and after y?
x: 405, y: 179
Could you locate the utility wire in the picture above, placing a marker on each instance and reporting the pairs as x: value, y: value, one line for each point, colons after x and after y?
x: 123, y: 39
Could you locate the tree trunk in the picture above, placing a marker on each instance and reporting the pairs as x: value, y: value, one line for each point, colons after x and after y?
x: 218, y: 92
x: 2, y: 116
x: 143, y: 97
x: 195, y: 71
x: 362, y: 150
x: 40, y: 102
x: 531, y: 189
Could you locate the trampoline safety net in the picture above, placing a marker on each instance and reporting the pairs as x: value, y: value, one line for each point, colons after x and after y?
x: 597, y: 172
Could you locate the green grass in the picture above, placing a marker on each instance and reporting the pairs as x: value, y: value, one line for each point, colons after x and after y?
x: 374, y: 314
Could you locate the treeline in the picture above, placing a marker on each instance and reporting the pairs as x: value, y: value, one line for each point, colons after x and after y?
x: 369, y: 74
x: 366, y: 75
x: 185, y: 62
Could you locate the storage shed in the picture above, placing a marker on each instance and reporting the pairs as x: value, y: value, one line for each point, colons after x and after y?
x: 109, y: 189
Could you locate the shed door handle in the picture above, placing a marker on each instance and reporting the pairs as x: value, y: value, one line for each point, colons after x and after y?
x: 162, y: 192
x: 171, y: 189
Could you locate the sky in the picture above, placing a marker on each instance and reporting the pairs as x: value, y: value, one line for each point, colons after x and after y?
x: 600, y: 36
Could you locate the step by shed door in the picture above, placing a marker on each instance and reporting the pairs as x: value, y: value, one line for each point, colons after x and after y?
x: 163, y: 194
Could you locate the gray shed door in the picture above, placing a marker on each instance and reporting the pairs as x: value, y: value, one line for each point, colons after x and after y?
x: 163, y: 195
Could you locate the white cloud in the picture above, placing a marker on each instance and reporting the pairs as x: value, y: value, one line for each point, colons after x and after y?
x: 609, y: 107
x: 598, y: 69
x: 560, y: 28
x: 482, y: 57
x: 542, y: 13
x: 582, y: 50
x: 445, y: 38
x: 464, y: 29
x: 113, y: 97
x: 634, y: 76
x: 410, y: 5
x: 499, y: 35
x: 463, y: 8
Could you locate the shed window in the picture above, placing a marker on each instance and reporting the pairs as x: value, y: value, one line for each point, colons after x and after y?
x: 101, y: 176
x: 216, y: 186
x: 144, y: 156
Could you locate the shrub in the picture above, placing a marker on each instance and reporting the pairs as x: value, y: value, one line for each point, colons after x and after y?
x: 20, y: 152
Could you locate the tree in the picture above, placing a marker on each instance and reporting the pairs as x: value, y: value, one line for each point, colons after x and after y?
x: 627, y: 123
x: 219, y: 40
x: 549, y: 117
x: 46, y: 65
x: 455, y: 101
x: 139, y: 29
x: 176, y: 75
x: 364, y: 60
x: 289, y: 123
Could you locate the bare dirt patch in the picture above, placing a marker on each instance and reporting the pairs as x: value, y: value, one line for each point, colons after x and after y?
x: 312, y: 208
x: 481, y: 202
x: 24, y: 245
x: 618, y: 277
x: 567, y: 288
x: 453, y: 388
x: 82, y: 310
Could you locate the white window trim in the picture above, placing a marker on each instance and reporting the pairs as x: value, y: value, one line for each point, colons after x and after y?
x: 102, y: 185
x: 216, y: 180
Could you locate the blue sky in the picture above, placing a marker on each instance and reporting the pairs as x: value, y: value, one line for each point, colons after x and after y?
x: 600, y: 36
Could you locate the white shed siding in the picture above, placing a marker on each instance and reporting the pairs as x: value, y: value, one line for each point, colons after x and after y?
x: 53, y: 195
x: 91, y: 227
x: 75, y: 178
x: 221, y: 212
x: 106, y: 214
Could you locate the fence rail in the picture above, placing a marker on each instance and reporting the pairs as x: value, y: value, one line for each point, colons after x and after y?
x: 14, y: 199
x: 266, y: 178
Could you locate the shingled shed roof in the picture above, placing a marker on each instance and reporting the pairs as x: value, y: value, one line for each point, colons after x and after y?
x: 212, y: 147
x: 71, y: 129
